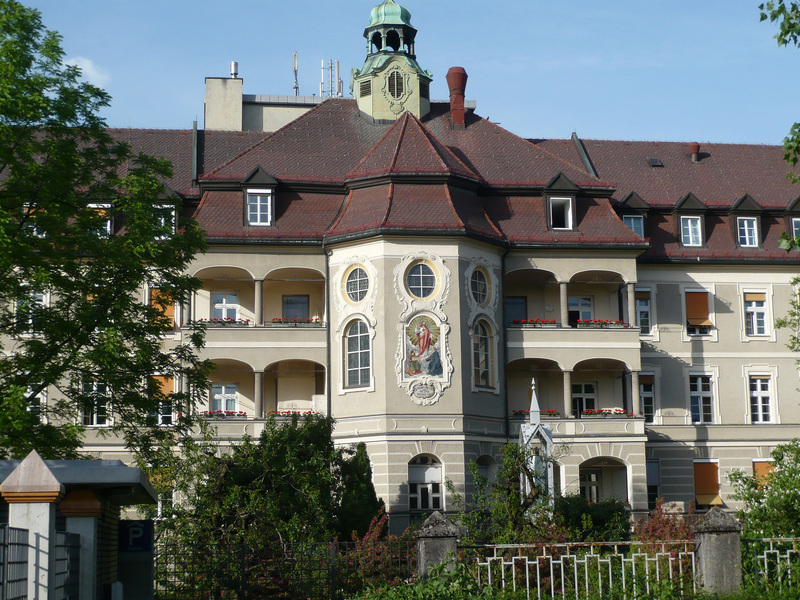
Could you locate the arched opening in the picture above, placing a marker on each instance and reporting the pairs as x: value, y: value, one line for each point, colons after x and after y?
x: 393, y: 40
x: 549, y: 386
x: 425, y: 483
x: 600, y: 385
x: 227, y: 296
x: 294, y: 385
x: 231, y: 388
x: 377, y: 42
x: 294, y: 294
x: 595, y: 296
x: 603, y: 478
x: 530, y: 295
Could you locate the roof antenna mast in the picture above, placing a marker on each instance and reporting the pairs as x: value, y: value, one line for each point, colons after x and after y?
x: 294, y: 70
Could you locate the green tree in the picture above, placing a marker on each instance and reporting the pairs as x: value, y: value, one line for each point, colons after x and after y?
x: 72, y: 313
x: 772, y: 505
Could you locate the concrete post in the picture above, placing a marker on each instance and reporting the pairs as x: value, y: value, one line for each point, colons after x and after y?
x: 563, y: 299
x: 32, y: 492
x: 719, y: 552
x: 635, y: 399
x: 631, y: 304
x: 567, y: 412
x: 258, y: 290
x: 258, y: 386
x: 82, y: 509
x: 437, y: 542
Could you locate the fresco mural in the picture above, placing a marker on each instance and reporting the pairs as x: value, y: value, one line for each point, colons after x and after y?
x: 423, y: 354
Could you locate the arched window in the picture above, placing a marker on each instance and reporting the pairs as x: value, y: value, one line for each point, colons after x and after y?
x: 425, y: 483
x: 482, y: 355
x: 396, y: 88
x: 357, y: 355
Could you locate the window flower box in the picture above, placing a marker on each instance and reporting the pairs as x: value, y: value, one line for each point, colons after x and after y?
x: 227, y: 322
x: 602, y: 324
x: 224, y: 415
x: 602, y: 413
x: 312, y: 322
x: 550, y: 413
x: 536, y: 323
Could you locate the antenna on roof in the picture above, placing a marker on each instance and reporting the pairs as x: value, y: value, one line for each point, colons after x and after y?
x: 294, y: 69
x: 335, y: 84
x: 234, y: 69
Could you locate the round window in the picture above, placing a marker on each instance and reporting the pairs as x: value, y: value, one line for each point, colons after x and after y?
x: 421, y: 280
x: 357, y: 284
x: 478, y: 286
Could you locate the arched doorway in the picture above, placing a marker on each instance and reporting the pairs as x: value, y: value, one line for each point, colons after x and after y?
x: 603, y: 478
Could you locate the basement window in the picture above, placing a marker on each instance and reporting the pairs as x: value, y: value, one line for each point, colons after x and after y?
x: 561, y: 213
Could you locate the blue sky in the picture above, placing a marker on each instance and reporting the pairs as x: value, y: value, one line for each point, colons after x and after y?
x: 641, y: 70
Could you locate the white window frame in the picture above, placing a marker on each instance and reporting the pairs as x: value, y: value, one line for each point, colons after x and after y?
x: 638, y: 311
x: 701, y: 397
x: 635, y: 223
x: 712, y: 334
x: 479, y: 286
x: 648, y: 394
x: 259, y: 206
x: 109, y: 223
x: 760, y: 402
x: 362, y: 373
x: 356, y: 284
x: 162, y: 417
x: 653, y: 474
x: 582, y: 301
x: 692, y: 231
x: 583, y: 396
x: 484, y: 351
x: 565, y: 204
x: 752, y: 314
x: 101, y: 398
x: 795, y: 227
x: 417, y: 280
x: 36, y: 300
x: 228, y: 301
x: 167, y: 219
x: 747, y: 232
x: 224, y: 396
x: 425, y: 484
x: 37, y: 404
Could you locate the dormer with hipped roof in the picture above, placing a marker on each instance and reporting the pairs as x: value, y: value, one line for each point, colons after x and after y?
x: 391, y: 81
x: 560, y: 196
x: 690, y: 226
x: 745, y: 221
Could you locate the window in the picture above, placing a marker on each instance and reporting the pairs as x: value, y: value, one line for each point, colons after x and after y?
x: 357, y: 284
x: 35, y: 401
x: 95, y: 403
x: 747, y: 229
x: 796, y: 227
x: 584, y: 397
x: 653, y: 483
x: 697, y: 313
x: 706, y: 484
x: 357, y: 355
x: 365, y: 89
x: 425, y: 483
x: 259, y: 207
x: 635, y: 223
x: 478, y: 286
x: 224, y: 306
x: 701, y: 398
x: 647, y: 396
x: 755, y: 313
x: 29, y: 310
x: 482, y: 355
x: 166, y: 221
x: 163, y: 413
x: 163, y: 304
x: 396, y: 86
x: 224, y: 396
x: 690, y: 231
x: 642, y: 310
x: 105, y: 225
x: 561, y: 213
x: 421, y: 280
x: 295, y: 307
x: 580, y: 309
x: 760, y: 398
x: 516, y: 308
x: 589, y: 480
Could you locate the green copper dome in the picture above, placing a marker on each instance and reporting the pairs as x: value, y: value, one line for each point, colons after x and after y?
x: 389, y: 13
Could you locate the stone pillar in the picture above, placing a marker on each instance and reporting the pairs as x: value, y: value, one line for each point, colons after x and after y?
x: 82, y: 509
x: 567, y: 412
x: 632, y: 304
x: 564, y: 303
x: 635, y: 400
x: 258, y: 388
x: 258, y: 289
x: 719, y: 552
x: 437, y: 543
x: 32, y: 492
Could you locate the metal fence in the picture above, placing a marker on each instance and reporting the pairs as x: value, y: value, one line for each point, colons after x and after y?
x: 577, y: 570
x: 67, y: 566
x: 282, y: 571
x: 13, y: 563
x: 771, y: 562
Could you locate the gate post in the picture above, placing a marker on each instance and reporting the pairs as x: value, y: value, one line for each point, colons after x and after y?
x: 437, y: 542
x: 719, y: 551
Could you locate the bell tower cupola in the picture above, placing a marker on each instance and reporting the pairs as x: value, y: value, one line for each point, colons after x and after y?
x: 391, y: 81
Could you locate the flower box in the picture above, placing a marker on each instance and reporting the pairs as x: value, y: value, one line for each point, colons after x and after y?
x: 225, y: 322
x: 224, y: 415
x: 604, y: 413
x: 536, y: 323
x: 313, y: 322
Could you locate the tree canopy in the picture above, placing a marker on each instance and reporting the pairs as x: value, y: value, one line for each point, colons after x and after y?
x: 86, y: 227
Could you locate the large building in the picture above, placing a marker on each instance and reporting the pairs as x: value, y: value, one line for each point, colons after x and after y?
x: 415, y: 270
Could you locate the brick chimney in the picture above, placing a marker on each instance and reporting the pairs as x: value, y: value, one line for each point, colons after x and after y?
x: 457, y: 82
x: 694, y: 150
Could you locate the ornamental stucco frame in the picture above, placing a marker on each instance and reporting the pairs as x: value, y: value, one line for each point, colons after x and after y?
x: 346, y: 308
x: 423, y: 389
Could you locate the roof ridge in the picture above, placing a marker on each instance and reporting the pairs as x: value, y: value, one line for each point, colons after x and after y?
x: 340, y: 216
x: 399, y: 144
x: 389, y: 203
x: 431, y: 137
x: 453, y: 207
x: 375, y: 146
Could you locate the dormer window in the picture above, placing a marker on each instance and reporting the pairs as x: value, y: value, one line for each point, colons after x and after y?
x: 747, y: 229
x: 105, y: 226
x: 167, y: 220
x: 691, y: 231
x: 561, y: 213
x: 259, y: 207
x: 635, y: 223
x: 795, y: 227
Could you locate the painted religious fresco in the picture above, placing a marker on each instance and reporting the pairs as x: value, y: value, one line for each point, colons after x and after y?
x: 423, y: 353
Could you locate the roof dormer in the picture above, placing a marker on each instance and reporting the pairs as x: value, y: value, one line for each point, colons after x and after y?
x: 690, y: 227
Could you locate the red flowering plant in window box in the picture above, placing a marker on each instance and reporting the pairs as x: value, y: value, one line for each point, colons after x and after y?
x: 550, y: 412
x: 226, y: 322
x: 534, y: 322
x: 223, y: 414
x: 280, y: 321
x: 602, y: 324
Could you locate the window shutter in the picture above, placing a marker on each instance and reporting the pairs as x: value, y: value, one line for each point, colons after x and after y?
x: 761, y: 469
x: 706, y: 484
x: 755, y: 297
x: 156, y: 295
x: 697, y: 308
x: 642, y: 295
x: 165, y: 382
x: 647, y: 379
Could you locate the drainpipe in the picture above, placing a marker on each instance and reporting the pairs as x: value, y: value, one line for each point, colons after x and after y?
x: 505, y: 344
x: 328, y: 394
